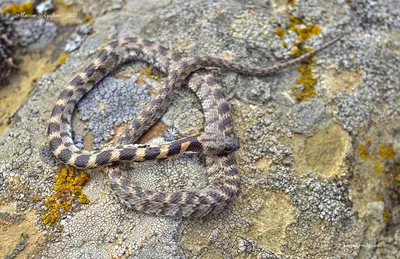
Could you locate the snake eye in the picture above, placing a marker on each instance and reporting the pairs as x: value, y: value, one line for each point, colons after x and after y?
x: 228, y: 149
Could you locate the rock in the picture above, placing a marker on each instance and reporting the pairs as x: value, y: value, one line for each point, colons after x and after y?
x: 318, y: 176
x: 45, y: 7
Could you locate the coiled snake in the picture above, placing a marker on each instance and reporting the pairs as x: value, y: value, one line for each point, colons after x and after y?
x: 217, y: 142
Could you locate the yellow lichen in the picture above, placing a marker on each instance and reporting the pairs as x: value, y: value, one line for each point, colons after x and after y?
x: 386, y: 215
x: 280, y: 32
x: 25, y: 8
x: 386, y: 152
x: 305, y: 87
x: 61, y: 59
x: 68, y: 187
x: 83, y: 199
x: 387, y: 173
x: 308, y: 82
x: 363, y: 152
x: 87, y: 17
x: 295, y: 20
x: 378, y: 168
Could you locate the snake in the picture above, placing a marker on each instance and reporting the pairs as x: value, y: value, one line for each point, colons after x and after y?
x: 217, y: 143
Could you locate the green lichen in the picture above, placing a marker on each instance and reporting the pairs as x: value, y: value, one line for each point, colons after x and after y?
x: 68, y: 187
x: 25, y: 8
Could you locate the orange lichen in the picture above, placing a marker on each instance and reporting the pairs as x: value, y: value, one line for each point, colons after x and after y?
x: 148, y: 71
x: 368, y: 141
x: 68, y: 187
x: 362, y: 152
x: 25, y: 8
x: 252, y: 10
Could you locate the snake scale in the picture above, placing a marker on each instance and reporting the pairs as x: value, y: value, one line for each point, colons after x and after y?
x: 217, y: 142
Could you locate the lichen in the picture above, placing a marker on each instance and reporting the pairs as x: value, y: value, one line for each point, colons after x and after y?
x: 291, y: 2
x: 68, y: 187
x: 305, y: 87
x: 362, y: 152
x: 87, y: 17
x: 26, y: 8
x: 280, y: 32
x: 378, y: 168
x: 61, y: 59
x: 386, y: 152
x: 379, y: 156
x: 101, y: 107
x: 386, y: 215
x: 306, y: 80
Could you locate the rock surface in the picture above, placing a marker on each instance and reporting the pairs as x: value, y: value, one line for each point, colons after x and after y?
x: 320, y: 177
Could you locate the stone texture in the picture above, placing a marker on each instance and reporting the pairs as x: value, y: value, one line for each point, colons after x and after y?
x: 307, y: 189
x: 324, y: 153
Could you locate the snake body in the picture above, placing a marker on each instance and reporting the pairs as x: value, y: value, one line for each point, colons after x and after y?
x: 217, y: 141
x: 223, y: 176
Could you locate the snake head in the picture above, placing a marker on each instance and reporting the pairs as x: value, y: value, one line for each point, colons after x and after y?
x: 218, y: 144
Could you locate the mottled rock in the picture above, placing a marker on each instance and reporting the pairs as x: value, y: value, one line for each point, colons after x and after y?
x: 318, y: 177
x: 324, y: 153
x: 35, y: 34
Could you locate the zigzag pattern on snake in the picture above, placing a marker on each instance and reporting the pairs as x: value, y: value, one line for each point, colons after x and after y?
x: 217, y: 142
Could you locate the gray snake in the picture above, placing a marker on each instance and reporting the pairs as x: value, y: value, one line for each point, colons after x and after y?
x: 217, y: 142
